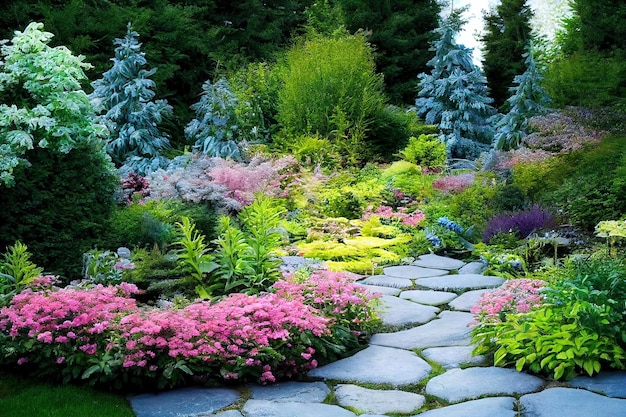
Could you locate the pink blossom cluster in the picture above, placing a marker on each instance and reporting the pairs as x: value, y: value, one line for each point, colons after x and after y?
x: 236, y: 337
x: 385, y: 212
x: 333, y: 293
x: 514, y: 296
x: 240, y: 337
x: 454, y: 183
x: 226, y: 183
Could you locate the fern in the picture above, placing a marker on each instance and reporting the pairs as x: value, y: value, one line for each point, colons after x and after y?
x: 194, y: 254
x: 16, y: 271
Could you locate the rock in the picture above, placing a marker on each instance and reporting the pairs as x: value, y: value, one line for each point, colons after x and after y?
x: 473, y: 268
x: 292, y: 391
x: 450, y: 329
x: 428, y: 297
x: 611, y: 384
x: 460, y: 282
x: 452, y: 356
x: 398, y: 312
x: 412, y: 272
x: 467, y: 300
x: 438, y: 262
x: 387, y: 281
x: 376, y: 365
x: 184, y: 402
x: 571, y: 402
x: 263, y: 408
x: 464, y: 384
x: 378, y: 401
x: 492, y: 407
x: 377, y: 289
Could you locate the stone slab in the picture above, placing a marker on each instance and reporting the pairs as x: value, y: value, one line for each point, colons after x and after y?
x: 378, y: 401
x: 571, y: 402
x: 291, y: 391
x: 492, y: 407
x: 263, y: 408
x: 387, y: 281
x: 184, y: 402
x: 473, y: 268
x: 611, y: 384
x: 467, y: 300
x: 464, y: 384
x: 413, y: 272
x: 438, y: 262
x: 428, y: 297
x: 453, y: 356
x: 460, y: 282
x: 376, y: 365
x: 398, y: 312
x: 450, y: 329
x: 377, y: 289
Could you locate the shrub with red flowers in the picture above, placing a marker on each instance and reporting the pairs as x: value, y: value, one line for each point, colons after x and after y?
x: 101, y: 335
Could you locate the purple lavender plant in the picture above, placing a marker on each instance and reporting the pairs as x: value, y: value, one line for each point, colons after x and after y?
x: 522, y: 223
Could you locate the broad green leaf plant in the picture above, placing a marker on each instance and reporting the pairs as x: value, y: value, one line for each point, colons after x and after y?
x: 42, y: 103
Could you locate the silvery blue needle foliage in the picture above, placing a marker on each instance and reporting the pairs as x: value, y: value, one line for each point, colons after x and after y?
x: 528, y: 99
x: 215, y: 127
x: 125, y: 95
x: 454, y: 96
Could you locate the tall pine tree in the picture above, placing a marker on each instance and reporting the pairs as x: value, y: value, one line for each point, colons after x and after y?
x: 124, y: 94
x: 507, y: 32
x: 454, y: 96
x: 528, y: 99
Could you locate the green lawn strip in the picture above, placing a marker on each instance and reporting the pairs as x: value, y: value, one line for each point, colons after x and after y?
x: 23, y: 397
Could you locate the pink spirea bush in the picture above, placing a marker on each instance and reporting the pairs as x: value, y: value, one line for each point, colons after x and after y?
x: 226, y: 183
x: 387, y: 213
x: 514, y: 296
x: 334, y: 294
x: 453, y: 183
x: 102, y: 335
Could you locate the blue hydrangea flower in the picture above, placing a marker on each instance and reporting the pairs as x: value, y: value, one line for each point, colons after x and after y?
x: 450, y: 225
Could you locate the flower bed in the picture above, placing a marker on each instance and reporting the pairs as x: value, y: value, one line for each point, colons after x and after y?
x: 101, y: 335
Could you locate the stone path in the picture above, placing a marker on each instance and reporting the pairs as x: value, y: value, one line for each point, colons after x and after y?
x: 421, y: 367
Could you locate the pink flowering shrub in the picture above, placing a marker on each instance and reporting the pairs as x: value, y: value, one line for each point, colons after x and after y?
x: 514, y: 296
x: 386, y: 213
x: 351, y: 307
x: 225, y: 183
x: 453, y: 183
x: 101, y: 335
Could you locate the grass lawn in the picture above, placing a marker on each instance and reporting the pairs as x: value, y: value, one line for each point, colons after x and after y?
x: 22, y: 397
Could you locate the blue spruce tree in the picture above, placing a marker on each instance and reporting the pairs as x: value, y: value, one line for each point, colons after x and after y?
x: 123, y: 97
x: 215, y: 127
x: 454, y: 96
x: 528, y: 99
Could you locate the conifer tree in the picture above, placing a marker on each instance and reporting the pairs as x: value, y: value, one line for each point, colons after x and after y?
x: 454, y: 96
x: 125, y: 95
x: 507, y: 32
x: 528, y: 99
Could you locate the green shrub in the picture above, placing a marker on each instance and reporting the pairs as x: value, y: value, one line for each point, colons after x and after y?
x: 408, y: 178
x: 578, y: 329
x: 330, y: 88
x: 587, y: 79
x: 59, y: 207
x: 426, y: 151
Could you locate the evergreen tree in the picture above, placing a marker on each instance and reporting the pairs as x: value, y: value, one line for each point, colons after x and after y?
x: 599, y: 24
x: 124, y: 94
x: 528, y: 99
x: 214, y: 129
x: 454, y: 96
x: 507, y: 32
x: 400, y: 32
